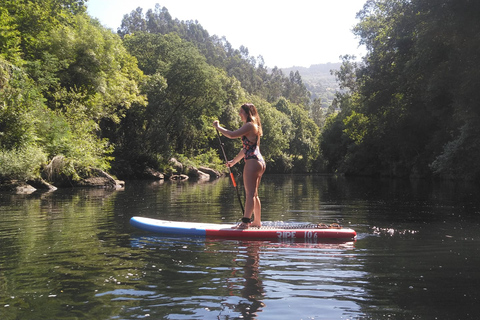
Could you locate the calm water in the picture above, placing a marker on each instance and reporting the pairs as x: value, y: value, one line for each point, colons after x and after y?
x: 72, y: 254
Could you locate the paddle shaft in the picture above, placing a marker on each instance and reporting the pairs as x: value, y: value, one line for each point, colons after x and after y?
x: 229, y: 170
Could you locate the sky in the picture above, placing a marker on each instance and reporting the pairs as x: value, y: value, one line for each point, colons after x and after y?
x: 296, y: 33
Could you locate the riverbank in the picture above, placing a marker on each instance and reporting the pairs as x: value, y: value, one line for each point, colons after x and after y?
x: 53, y: 176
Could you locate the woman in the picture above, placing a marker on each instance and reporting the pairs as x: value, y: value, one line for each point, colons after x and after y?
x: 250, y: 132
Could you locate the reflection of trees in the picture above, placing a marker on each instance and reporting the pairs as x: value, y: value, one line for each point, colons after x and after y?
x: 172, y: 196
x: 282, y: 198
x: 51, y: 253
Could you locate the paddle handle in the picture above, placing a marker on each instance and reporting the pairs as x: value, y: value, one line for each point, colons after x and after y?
x: 231, y: 173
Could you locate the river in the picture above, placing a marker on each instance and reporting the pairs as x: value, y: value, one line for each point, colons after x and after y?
x: 71, y: 254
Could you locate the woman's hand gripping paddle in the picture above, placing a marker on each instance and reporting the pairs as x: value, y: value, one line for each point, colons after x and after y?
x: 231, y: 174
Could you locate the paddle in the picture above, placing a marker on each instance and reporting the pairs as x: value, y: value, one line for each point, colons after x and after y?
x: 231, y: 174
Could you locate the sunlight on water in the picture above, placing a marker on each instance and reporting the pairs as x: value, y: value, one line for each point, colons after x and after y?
x: 392, y: 232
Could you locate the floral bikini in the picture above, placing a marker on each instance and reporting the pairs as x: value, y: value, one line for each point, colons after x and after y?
x: 252, y: 151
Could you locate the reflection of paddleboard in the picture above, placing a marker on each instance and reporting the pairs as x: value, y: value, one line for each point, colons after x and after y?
x: 215, y: 230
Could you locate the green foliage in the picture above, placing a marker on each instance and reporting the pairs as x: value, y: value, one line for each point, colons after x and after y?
x: 206, y: 158
x: 26, y: 124
x: 318, y: 113
x: 304, y: 145
x: 299, y: 136
x: 409, y: 108
x: 296, y: 90
x: 21, y: 164
x: 76, y: 74
x: 94, y: 61
x: 54, y: 132
x: 453, y: 163
x: 277, y: 133
x: 33, y: 20
x: 332, y: 145
x: 9, y: 38
x: 82, y: 95
x: 185, y: 94
x: 356, y: 127
x: 19, y: 102
x: 195, y: 78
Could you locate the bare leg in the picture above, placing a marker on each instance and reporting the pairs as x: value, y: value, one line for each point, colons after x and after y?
x: 252, y: 175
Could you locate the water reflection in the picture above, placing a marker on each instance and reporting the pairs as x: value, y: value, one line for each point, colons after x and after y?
x: 231, y: 283
x: 72, y: 253
x: 248, y: 260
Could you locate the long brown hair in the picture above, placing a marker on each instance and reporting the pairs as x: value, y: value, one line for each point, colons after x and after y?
x: 252, y: 116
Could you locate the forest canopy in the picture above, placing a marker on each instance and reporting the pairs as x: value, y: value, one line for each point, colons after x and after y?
x: 135, y: 98
x: 413, y: 106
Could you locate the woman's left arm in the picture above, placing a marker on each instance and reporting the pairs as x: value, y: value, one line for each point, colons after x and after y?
x: 235, y: 160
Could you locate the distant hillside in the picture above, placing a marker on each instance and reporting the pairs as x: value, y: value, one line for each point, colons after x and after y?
x: 318, y: 80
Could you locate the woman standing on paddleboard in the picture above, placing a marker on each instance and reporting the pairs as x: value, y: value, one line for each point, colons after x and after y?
x: 255, y: 166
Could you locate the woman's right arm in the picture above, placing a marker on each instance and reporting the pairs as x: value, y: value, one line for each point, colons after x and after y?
x: 242, y: 131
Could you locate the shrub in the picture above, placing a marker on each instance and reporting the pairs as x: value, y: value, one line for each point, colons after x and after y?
x: 21, y: 164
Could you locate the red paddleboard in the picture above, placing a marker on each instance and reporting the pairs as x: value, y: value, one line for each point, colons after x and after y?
x: 215, y: 230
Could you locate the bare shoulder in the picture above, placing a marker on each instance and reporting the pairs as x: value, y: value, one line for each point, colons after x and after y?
x: 250, y: 126
x: 250, y: 129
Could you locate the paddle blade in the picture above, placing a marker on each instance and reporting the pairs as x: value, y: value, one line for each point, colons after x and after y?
x: 233, y: 179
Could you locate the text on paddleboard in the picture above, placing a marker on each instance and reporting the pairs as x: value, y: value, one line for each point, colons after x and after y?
x: 293, y: 234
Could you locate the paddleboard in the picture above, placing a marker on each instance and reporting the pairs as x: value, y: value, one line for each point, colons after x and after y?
x: 216, y: 230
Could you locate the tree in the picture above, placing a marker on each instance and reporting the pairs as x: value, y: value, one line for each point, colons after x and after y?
x: 133, y: 23
x: 304, y: 146
x: 277, y: 134
x: 185, y: 94
x: 412, y: 95
x: 92, y: 60
x: 318, y: 112
x: 296, y: 90
x: 70, y: 75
